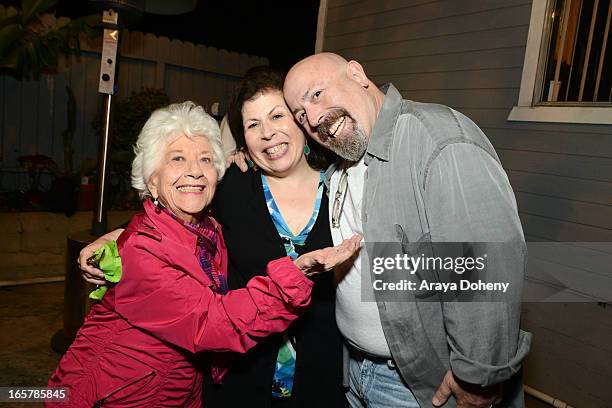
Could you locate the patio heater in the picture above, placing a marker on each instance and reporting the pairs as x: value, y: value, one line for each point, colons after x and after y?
x: 115, y: 15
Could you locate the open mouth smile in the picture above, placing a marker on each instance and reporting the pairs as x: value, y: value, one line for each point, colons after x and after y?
x: 336, y: 127
x: 191, y: 188
x: 276, y: 150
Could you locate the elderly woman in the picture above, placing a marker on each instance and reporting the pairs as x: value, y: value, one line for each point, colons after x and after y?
x: 136, y: 347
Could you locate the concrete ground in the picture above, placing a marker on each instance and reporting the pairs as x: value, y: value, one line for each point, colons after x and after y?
x: 29, y: 316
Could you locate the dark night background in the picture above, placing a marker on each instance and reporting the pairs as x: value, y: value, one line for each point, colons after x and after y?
x: 284, y: 31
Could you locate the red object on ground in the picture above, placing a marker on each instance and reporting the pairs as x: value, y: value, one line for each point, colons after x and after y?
x: 87, y: 197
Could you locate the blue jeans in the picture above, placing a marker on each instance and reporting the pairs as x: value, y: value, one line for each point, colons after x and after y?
x: 376, y: 383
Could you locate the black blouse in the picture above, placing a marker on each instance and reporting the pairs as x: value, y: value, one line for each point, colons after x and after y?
x: 252, y: 241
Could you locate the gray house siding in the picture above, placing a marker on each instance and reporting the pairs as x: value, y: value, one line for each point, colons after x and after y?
x: 468, y: 54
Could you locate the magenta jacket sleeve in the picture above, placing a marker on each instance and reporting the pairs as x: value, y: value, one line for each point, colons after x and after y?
x: 171, y: 304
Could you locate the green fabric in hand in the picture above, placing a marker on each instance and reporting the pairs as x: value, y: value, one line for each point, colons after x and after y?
x: 107, y: 259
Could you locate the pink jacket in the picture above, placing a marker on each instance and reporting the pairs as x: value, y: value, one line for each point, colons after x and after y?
x: 136, y: 347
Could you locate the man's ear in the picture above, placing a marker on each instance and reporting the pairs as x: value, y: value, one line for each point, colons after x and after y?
x: 355, y: 71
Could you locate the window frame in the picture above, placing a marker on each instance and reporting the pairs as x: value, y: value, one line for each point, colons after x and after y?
x: 526, y: 109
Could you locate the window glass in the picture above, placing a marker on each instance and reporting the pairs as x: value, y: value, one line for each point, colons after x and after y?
x: 578, y: 53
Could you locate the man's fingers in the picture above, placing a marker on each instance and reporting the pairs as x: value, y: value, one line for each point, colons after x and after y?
x: 91, y: 271
x: 93, y: 277
x: 94, y: 281
x: 84, y: 255
x: 240, y: 160
x: 242, y: 165
x: 442, y: 393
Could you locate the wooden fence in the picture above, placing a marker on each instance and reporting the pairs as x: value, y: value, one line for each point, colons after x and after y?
x: 33, y: 113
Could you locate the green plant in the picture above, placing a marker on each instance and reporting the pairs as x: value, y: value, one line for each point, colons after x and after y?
x: 28, y: 47
x: 130, y: 115
x: 68, y: 133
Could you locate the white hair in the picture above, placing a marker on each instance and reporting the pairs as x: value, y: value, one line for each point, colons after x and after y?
x: 163, y: 127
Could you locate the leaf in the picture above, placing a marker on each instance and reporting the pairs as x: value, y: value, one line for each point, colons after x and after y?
x: 9, y: 40
x: 25, y: 50
x: 15, y: 19
x: 31, y: 8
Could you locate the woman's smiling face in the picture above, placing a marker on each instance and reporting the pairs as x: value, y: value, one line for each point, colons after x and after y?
x: 186, y: 178
x: 274, y: 140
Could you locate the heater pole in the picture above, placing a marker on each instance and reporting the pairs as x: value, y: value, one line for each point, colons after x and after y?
x: 108, y: 65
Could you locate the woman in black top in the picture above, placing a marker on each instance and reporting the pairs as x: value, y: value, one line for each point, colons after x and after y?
x: 250, y: 207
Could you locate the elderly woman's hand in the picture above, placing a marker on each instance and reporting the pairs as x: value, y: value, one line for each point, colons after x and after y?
x: 328, y: 258
x: 90, y: 273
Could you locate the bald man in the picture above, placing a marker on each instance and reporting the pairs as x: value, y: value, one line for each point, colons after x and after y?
x: 414, y: 173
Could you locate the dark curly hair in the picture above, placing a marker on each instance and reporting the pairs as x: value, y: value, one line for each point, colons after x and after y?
x: 259, y: 80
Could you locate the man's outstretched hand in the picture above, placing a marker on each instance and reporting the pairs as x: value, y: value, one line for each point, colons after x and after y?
x: 90, y: 273
x: 467, y: 395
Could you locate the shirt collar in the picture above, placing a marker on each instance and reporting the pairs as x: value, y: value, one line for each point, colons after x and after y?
x: 381, y: 138
x: 329, y: 173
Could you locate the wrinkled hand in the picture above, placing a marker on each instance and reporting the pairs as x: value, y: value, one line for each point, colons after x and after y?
x: 239, y: 159
x: 467, y: 395
x: 90, y: 273
x: 325, y: 259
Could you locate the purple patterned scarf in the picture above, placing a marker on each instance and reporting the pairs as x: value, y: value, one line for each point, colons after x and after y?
x: 207, y: 249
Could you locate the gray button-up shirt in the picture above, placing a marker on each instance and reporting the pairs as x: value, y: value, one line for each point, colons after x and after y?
x: 433, y: 176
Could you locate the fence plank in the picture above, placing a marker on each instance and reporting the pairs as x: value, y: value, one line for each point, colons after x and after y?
x: 163, y: 55
x: 2, y: 121
x: 60, y: 100
x: 78, y: 72
x: 135, y: 68
x: 29, y: 111
x: 91, y: 108
x: 211, y: 57
x: 149, y: 51
x: 44, y: 122
x: 188, y: 59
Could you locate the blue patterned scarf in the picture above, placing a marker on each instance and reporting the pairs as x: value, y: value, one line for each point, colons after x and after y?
x: 282, y: 383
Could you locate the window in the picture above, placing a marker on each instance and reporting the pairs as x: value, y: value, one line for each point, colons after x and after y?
x: 567, y: 74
